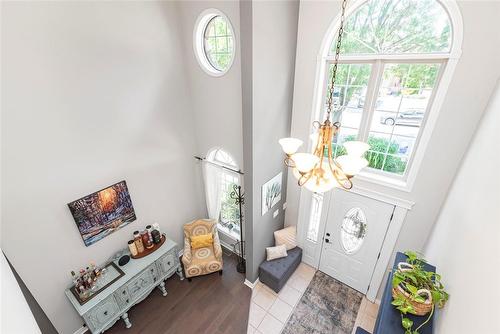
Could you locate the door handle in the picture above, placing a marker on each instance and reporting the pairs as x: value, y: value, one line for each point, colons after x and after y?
x: 327, y: 241
x: 327, y: 234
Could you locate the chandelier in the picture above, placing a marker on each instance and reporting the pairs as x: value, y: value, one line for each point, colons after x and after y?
x: 321, y: 171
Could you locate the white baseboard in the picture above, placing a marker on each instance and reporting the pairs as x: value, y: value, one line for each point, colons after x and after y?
x: 250, y: 284
x: 81, y: 330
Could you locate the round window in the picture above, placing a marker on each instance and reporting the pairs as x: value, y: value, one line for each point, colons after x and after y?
x: 214, y: 42
x: 353, y: 230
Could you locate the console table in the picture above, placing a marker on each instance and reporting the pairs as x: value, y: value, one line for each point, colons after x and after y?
x: 389, y: 318
x: 141, y: 277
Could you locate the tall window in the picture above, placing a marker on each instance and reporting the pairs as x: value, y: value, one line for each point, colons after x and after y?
x: 227, y: 178
x: 392, y: 56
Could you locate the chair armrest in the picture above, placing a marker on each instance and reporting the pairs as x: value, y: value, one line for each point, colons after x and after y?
x: 187, y: 256
x: 217, y: 247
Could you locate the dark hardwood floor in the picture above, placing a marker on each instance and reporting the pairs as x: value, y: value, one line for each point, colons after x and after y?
x: 208, y: 304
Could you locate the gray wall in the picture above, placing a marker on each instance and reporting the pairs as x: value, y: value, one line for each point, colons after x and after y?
x: 43, y: 322
x: 273, y: 45
x: 467, y: 96
x: 92, y: 93
x: 246, y: 48
x: 467, y: 232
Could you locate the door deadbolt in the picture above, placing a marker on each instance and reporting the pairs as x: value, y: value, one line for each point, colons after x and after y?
x: 328, y: 234
x: 327, y: 241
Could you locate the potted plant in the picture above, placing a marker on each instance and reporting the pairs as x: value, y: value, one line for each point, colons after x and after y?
x: 416, y: 291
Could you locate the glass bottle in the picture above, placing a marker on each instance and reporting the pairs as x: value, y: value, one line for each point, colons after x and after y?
x: 138, y: 242
x: 145, y: 240
x: 132, y: 247
x: 149, y: 229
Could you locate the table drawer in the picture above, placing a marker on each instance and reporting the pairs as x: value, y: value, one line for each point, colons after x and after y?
x: 102, y: 313
x: 144, y: 281
x: 166, y: 263
x: 123, y: 297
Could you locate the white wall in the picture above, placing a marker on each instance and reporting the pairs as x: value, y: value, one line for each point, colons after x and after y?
x: 216, y: 101
x: 92, y: 93
x: 471, y: 86
x: 465, y: 242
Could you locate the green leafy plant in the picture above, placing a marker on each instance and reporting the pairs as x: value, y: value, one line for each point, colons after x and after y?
x: 375, y: 156
x: 412, y: 280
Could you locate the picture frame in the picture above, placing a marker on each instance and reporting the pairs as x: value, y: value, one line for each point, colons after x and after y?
x: 103, y: 212
x: 271, y: 193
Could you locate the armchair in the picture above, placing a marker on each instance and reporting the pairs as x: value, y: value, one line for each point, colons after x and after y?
x: 205, y: 260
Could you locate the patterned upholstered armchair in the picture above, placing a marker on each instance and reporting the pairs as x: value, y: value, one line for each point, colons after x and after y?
x: 205, y: 260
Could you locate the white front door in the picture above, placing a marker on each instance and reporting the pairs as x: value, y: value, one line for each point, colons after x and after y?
x: 354, y: 233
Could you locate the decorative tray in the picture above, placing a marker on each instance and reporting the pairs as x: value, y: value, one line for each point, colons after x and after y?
x: 112, y: 274
x: 146, y: 251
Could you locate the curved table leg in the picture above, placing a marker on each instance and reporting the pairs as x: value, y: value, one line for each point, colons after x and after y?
x: 180, y: 273
x: 162, y: 288
x: 125, y: 318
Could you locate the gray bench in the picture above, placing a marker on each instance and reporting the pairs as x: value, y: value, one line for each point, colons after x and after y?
x: 275, y: 273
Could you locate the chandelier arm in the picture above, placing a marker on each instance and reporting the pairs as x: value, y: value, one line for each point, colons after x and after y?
x: 319, y: 143
x: 305, y: 176
x: 342, y: 179
x: 289, y: 162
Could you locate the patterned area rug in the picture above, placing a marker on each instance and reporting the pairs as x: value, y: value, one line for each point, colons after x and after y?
x: 327, y: 306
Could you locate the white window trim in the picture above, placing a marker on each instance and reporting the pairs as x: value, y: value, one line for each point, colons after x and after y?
x: 198, y: 41
x: 222, y: 229
x: 448, y: 63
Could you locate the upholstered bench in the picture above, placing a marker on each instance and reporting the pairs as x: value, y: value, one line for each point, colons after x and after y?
x: 276, y: 272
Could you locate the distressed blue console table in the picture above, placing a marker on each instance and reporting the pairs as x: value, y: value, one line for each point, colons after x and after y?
x: 389, y: 319
x: 141, y: 277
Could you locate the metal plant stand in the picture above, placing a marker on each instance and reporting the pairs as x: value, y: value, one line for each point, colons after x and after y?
x: 239, y: 199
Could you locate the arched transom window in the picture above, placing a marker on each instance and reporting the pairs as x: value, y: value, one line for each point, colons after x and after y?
x: 393, y: 55
x: 220, y: 178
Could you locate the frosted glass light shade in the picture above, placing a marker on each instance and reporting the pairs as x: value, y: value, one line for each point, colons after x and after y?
x: 322, y: 185
x: 351, y: 165
x: 290, y: 145
x: 305, y: 162
x: 356, y: 148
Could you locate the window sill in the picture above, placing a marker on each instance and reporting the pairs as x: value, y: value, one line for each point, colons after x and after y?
x: 229, y: 233
x: 387, y: 181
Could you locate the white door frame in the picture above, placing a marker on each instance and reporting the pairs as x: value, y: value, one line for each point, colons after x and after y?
x: 402, y: 206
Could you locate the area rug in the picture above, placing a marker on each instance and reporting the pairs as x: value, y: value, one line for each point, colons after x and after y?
x: 327, y: 306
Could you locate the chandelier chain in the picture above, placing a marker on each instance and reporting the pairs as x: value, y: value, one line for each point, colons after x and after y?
x: 336, y: 61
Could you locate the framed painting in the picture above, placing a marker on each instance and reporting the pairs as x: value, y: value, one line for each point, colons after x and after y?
x: 99, y: 214
x: 271, y: 193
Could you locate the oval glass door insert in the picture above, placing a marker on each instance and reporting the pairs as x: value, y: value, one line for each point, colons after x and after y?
x: 353, y: 230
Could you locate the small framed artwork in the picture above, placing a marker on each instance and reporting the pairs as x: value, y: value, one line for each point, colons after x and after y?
x: 103, y: 212
x: 271, y: 193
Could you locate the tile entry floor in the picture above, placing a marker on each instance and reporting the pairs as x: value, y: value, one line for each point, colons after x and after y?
x: 269, y: 311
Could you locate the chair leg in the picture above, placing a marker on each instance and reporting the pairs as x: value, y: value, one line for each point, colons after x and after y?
x: 220, y: 272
